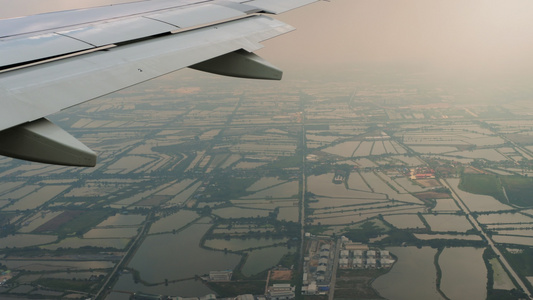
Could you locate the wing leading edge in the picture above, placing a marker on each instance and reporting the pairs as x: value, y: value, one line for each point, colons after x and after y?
x: 84, y: 54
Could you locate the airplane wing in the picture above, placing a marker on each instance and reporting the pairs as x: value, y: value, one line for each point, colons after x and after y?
x: 53, y: 61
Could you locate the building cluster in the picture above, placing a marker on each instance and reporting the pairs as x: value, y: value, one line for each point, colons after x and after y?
x: 318, y: 267
x: 145, y: 296
x: 359, y: 256
x: 360, y: 259
x: 275, y: 292
x: 340, y: 177
x: 422, y: 173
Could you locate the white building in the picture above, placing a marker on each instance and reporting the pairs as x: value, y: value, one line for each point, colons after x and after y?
x: 343, y: 263
x: 220, y: 275
x: 371, y: 262
x: 310, y: 289
x: 357, y: 263
x: 281, y: 292
x: 345, y: 253
x: 323, y: 261
x: 386, y: 262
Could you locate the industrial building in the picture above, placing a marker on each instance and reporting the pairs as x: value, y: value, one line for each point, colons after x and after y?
x: 281, y: 292
x: 220, y: 275
x: 318, y: 266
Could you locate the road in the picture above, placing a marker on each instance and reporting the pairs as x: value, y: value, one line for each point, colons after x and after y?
x: 491, y: 243
x: 333, y: 280
x: 302, y: 198
x: 120, y: 265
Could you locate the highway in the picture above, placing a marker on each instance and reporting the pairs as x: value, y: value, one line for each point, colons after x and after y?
x: 121, y: 263
x: 491, y: 243
x: 333, y: 280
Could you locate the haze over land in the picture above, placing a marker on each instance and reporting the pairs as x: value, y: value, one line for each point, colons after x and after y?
x: 395, y: 126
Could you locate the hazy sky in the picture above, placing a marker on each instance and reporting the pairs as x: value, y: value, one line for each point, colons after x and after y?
x: 462, y: 35
x: 455, y: 36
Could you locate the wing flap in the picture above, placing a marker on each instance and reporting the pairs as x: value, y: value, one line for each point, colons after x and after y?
x: 278, y: 6
x: 63, y: 19
x: 197, y: 15
x: 16, y: 51
x: 33, y: 92
x: 118, y: 31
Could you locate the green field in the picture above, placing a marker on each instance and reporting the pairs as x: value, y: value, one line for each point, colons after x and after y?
x: 483, y: 184
x: 519, y: 189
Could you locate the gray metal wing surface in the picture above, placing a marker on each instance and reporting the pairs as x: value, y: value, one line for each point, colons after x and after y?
x: 53, y: 61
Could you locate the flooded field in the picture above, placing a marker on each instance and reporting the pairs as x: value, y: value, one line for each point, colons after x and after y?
x: 350, y: 218
x: 265, y: 204
x: 488, y: 154
x: 186, y: 288
x: 288, y: 214
x: 445, y: 205
x: 323, y: 185
x: 263, y: 183
x: 444, y: 223
x: 237, y: 212
x: 356, y: 182
x: 464, y: 275
x: 185, y: 194
x: 363, y: 149
x: 26, y: 240
x: 284, y: 190
x: 465, y: 237
x: 38, y: 219
x: 123, y: 220
x: 405, y: 221
x: 9, y: 186
x: 47, y: 265
x: 345, y: 149
x: 248, y: 165
x: 520, y: 232
x: 230, y: 160
x: 99, y: 233
x: 188, y: 259
x: 410, y: 161
x: 409, y: 185
x: 477, y: 202
x: 433, y: 149
x: 173, y: 222
x: 176, y: 188
x: 238, y: 244
x: 128, y: 164
x: 517, y: 240
x: 380, y: 186
x: 419, y: 284
x: 262, y: 259
x: 329, y: 203
x: 75, y: 242
x: 20, y: 192
x: 37, y: 198
x: 504, y: 218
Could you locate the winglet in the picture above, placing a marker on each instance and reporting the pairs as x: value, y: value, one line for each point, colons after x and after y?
x: 43, y: 141
x: 241, y: 64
